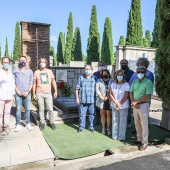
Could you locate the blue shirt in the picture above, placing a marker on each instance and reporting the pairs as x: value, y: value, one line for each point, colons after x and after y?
x: 87, y: 88
x: 149, y: 75
x: 23, y: 79
x: 97, y: 74
x: 128, y: 74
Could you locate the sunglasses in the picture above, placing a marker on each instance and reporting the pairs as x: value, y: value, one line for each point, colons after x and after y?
x: 141, y: 72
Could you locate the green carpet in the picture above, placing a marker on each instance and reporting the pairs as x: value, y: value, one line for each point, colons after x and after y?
x: 66, y: 143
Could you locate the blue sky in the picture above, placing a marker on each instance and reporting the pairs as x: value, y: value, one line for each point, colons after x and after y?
x: 56, y: 12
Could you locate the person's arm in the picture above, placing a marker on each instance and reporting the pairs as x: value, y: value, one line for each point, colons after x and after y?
x: 125, y: 97
x: 77, y: 97
x: 112, y: 98
x: 55, y: 88
x: 34, y: 89
x: 98, y: 92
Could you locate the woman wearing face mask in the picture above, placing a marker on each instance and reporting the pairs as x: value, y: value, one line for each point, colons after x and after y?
x: 102, y: 101
x: 120, y: 104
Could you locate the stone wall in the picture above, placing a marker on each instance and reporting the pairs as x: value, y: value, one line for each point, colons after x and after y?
x: 133, y: 53
x: 73, y: 73
x: 35, y: 39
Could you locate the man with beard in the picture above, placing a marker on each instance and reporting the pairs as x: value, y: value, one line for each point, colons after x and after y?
x: 128, y: 74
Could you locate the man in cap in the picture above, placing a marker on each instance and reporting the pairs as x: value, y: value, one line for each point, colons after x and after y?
x: 101, y: 66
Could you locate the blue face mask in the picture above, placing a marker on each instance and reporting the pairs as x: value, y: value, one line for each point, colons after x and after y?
x: 22, y: 63
x: 87, y: 72
x: 119, y: 78
x: 6, y: 66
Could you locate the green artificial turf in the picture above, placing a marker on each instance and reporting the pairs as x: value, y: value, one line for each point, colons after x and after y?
x: 66, y: 143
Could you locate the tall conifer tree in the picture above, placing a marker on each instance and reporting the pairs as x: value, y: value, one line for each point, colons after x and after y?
x: 107, y: 52
x: 17, y: 42
x: 148, y: 36
x: 163, y: 53
x: 121, y: 40
x: 155, y: 33
x: 76, y: 48
x: 6, y: 48
x: 134, y: 26
x: 52, y: 53
x: 69, y: 39
x: 93, y: 46
x: 60, y: 48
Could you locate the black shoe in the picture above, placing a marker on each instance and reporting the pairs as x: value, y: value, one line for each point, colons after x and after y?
x: 134, y: 132
x: 42, y: 126
x: 79, y: 130
x: 135, y: 142
x: 92, y: 130
x: 53, y: 126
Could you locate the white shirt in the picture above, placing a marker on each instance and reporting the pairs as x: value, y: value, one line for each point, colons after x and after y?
x: 7, y: 85
x: 119, y: 92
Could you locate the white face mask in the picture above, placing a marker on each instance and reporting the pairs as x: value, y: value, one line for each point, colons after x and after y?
x: 42, y: 65
x: 119, y: 78
x: 140, y: 75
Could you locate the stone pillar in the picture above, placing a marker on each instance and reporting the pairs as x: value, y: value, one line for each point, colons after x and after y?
x: 35, y: 39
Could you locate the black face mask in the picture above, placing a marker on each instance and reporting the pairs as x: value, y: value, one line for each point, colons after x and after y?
x: 124, y: 67
x: 105, y: 76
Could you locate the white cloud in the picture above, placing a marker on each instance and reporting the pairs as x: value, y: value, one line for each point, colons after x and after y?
x: 53, y: 38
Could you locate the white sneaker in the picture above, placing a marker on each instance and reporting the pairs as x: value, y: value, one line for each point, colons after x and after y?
x: 17, y: 128
x: 28, y: 126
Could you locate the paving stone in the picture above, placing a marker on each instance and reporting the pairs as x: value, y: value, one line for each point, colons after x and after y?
x: 31, y: 156
x: 167, y: 141
x: 5, y: 161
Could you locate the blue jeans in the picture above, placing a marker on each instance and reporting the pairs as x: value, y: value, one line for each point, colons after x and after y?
x: 119, y: 123
x: 26, y: 101
x: 83, y: 108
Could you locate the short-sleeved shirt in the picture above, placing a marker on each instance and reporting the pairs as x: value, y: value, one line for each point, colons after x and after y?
x: 141, y: 88
x: 43, y: 80
x: 149, y: 75
x: 87, y: 88
x: 118, y: 91
x: 23, y: 79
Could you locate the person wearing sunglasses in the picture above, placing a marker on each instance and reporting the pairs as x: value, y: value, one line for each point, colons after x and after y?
x: 140, y: 95
x: 142, y: 61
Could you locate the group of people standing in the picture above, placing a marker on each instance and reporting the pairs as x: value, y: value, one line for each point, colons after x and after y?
x: 114, y: 97
x: 17, y: 87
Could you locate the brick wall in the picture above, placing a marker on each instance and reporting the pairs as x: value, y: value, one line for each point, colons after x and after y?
x: 29, y: 47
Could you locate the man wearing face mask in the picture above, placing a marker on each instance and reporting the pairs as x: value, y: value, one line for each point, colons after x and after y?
x: 7, y: 91
x: 23, y: 85
x: 140, y: 95
x: 101, y: 66
x: 128, y: 74
x: 85, y: 98
x: 43, y: 79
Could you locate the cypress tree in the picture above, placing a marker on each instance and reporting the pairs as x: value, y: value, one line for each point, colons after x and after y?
x: 17, y: 42
x: 148, y: 36
x: 6, y: 48
x: 163, y: 53
x: 76, y: 48
x: 107, y: 52
x: 93, y: 46
x: 69, y: 39
x: 121, y: 40
x: 134, y: 26
x: 52, y: 53
x: 155, y: 33
x: 145, y: 42
x: 60, y: 48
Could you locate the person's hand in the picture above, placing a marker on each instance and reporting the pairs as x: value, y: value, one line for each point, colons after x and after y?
x: 55, y: 94
x: 118, y: 105
x: 117, y: 108
x: 26, y: 94
x: 135, y: 102
x: 19, y: 93
x: 136, y: 106
x: 105, y: 98
x: 78, y: 101
x: 13, y: 99
x: 35, y: 97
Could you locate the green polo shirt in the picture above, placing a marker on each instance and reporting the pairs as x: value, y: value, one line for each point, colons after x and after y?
x: 141, y: 88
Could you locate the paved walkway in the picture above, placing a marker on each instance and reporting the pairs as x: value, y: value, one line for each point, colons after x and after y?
x: 23, y: 146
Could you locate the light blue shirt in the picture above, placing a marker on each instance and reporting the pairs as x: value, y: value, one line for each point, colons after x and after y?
x: 23, y: 79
